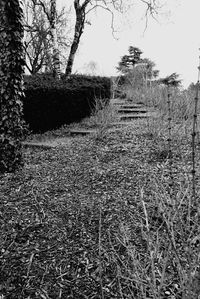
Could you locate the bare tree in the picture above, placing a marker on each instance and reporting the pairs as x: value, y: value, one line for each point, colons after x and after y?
x: 37, y: 42
x: 52, y: 22
x: 51, y: 16
x: 83, y: 8
x: 80, y: 10
x: 47, y: 33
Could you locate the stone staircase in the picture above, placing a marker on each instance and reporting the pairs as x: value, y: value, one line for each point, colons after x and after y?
x: 127, y: 112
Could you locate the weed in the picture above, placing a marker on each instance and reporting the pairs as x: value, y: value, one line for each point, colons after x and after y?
x: 102, y: 117
x: 194, y: 133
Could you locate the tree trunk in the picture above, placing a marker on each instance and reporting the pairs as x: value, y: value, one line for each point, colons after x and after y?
x: 11, y: 91
x: 79, y: 26
x: 56, y: 60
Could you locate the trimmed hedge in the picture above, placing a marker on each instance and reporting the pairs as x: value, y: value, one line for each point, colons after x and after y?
x: 50, y: 103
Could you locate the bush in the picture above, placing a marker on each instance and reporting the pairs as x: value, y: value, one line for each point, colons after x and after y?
x: 50, y: 103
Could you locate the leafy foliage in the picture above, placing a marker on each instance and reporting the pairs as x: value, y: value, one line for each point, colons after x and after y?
x: 138, y: 76
x: 129, y: 61
x: 138, y: 73
x: 11, y: 92
x: 171, y: 80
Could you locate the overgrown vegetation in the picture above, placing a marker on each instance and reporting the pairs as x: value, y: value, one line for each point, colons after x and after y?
x: 113, y: 215
x: 96, y: 219
x: 98, y: 224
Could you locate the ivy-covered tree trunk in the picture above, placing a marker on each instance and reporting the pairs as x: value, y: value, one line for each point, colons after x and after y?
x: 56, y: 59
x: 11, y: 88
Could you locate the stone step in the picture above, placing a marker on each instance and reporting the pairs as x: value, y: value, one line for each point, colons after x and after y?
x: 118, y: 103
x: 82, y: 132
x: 123, y: 123
x: 133, y: 106
x: 51, y: 143
x: 42, y: 145
x: 128, y: 104
x: 134, y: 116
x: 133, y: 110
x: 87, y: 131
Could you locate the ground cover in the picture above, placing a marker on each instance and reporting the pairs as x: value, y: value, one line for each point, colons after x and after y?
x: 96, y: 219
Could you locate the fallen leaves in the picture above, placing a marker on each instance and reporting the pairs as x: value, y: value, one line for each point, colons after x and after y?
x: 54, y: 211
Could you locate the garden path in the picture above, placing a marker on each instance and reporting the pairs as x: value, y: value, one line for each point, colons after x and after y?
x: 127, y: 113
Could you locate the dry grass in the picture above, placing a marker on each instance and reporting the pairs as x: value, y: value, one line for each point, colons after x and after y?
x: 99, y: 220
x: 172, y: 243
x: 102, y: 116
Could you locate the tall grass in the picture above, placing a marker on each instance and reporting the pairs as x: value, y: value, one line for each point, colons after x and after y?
x: 169, y: 139
x: 175, y: 243
x: 103, y: 116
x: 194, y: 133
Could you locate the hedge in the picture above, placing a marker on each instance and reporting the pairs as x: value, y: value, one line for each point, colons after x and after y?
x: 50, y: 103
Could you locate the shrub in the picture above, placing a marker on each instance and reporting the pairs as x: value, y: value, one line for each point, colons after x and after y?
x: 50, y: 103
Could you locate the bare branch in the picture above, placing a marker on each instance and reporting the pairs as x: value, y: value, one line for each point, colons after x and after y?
x: 152, y: 9
x: 108, y: 5
x: 40, y: 3
x: 85, y: 3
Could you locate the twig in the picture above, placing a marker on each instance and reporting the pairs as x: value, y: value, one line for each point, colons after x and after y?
x: 194, y: 132
x: 193, y: 200
x: 100, y: 266
x: 150, y: 245
x: 29, y: 265
x: 170, y: 140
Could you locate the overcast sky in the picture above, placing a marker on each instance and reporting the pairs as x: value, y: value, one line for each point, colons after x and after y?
x: 172, y: 43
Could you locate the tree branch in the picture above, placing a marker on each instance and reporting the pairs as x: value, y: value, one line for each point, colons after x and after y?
x: 40, y: 3
x: 85, y: 3
x: 152, y: 10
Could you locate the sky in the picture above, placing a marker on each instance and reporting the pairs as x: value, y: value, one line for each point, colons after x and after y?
x: 172, y: 42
